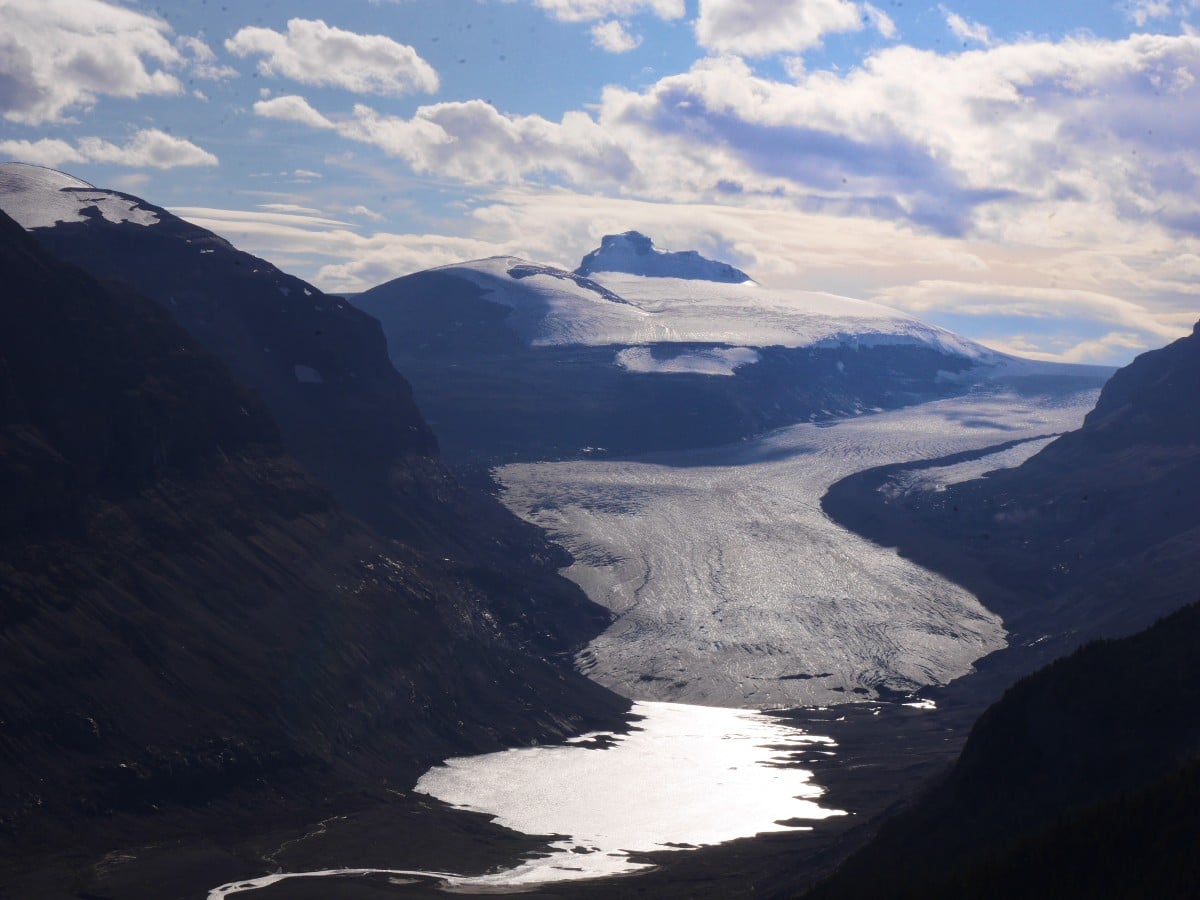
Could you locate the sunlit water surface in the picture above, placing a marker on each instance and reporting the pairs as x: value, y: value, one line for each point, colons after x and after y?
x: 683, y: 777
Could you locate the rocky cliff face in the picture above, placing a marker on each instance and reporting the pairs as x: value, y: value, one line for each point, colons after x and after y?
x: 187, y: 614
x: 635, y: 254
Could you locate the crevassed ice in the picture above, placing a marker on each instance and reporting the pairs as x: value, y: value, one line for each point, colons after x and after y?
x: 731, y: 586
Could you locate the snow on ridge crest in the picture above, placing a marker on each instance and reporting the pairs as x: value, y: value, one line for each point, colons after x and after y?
x: 552, y: 307
x: 41, y: 197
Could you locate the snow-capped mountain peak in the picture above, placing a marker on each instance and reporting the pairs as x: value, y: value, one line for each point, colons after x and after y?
x: 633, y: 253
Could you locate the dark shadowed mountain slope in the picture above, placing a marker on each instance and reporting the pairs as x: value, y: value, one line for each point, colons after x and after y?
x: 1097, y: 535
x: 186, y: 615
x: 321, y: 368
x: 1081, y: 782
x: 318, y: 364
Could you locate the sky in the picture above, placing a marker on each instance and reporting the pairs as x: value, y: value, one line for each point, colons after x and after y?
x: 1026, y: 174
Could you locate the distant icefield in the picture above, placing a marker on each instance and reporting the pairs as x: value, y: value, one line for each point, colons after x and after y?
x: 732, y: 588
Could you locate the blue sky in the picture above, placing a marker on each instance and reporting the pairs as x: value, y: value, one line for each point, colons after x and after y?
x: 1024, y: 173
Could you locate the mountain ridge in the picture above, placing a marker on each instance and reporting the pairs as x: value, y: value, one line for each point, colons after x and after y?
x: 196, y: 635
x: 512, y: 360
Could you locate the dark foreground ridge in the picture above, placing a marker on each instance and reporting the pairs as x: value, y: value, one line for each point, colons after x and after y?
x: 1082, y: 780
x: 196, y: 637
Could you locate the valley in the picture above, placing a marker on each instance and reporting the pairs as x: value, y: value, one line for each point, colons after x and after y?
x: 689, y: 632
x: 651, y: 574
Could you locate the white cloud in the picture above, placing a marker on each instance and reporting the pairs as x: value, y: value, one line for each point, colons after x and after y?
x: 330, y: 253
x: 202, y: 62
x: 366, y: 213
x: 880, y: 21
x: 593, y: 10
x: 613, y: 38
x: 989, y: 142
x: 765, y: 27
x: 474, y: 143
x: 59, y: 56
x: 45, y: 152
x: 291, y: 108
x: 149, y: 148
x: 314, y: 53
x: 292, y: 208
x: 1143, y: 11
x: 1111, y: 349
x: 1023, y: 301
x: 966, y: 31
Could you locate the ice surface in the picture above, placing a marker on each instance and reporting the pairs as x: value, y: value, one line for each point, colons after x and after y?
x: 941, y: 477
x: 755, y: 316
x: 37, y: 197
x: 717, y: 361
x: 731, y: 586
x: 686, y: 775
x: 553, y: 309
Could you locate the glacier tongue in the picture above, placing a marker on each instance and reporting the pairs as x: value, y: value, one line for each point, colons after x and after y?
x: 730, y: 585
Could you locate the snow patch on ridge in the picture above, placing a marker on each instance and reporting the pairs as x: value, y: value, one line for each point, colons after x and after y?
x: 38, y: 197
x: 718, y: 361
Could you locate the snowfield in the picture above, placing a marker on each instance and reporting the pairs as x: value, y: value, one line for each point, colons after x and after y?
x: 730, y: 585
x: 554, y: 308
x: 37, y: 197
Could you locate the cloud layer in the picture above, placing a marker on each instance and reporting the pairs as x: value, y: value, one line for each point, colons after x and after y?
x: 764, y: 27
x: 968, y: 143
x: 311, y: 52
x: 149, y: 148
x: 58, y: 56
x: 592, y: 10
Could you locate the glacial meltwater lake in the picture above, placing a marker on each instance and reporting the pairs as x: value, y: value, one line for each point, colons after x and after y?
x: 682, y: 777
